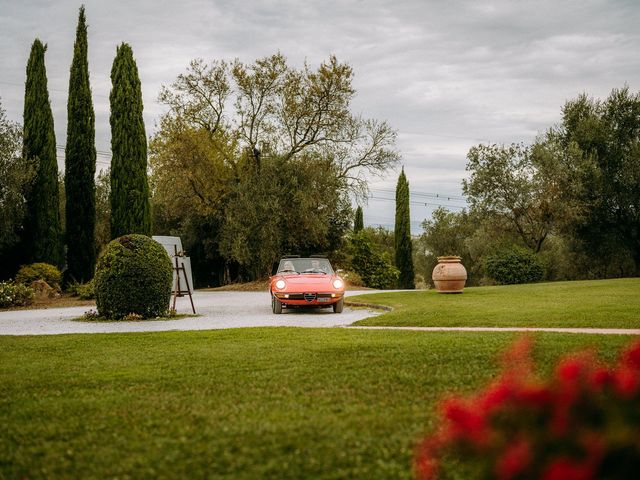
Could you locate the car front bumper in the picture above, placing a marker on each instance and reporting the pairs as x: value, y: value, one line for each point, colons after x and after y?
x: 308, y: 298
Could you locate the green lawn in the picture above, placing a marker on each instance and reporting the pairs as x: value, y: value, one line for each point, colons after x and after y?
x: 253, y: 403
x: 597, y: 303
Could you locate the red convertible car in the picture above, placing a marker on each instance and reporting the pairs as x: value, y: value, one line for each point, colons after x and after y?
x: 306, y: 282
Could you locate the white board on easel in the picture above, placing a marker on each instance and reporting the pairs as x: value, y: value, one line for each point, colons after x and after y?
x: 173, y: 245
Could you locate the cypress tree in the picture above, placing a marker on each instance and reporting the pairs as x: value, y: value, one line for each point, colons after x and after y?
x: 80, y: 164
x: 42, y: 241
x: 358, y: 223
x: 129, y: 197
x: 403, y: 249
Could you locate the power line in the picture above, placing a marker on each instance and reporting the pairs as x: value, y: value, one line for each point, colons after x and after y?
x: 57, y: 90
x: 426, y: 204
x: 440, y: 196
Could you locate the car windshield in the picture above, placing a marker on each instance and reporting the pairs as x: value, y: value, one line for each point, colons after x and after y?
x: 305, y: 266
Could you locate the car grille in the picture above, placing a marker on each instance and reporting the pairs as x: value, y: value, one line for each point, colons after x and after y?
x: 309, y: 297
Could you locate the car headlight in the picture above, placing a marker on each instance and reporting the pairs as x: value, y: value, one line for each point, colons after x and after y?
x: 281, y: 284
x: 338, y: 284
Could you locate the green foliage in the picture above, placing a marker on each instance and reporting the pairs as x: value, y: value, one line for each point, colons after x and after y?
x: 80, y: 164
x: 39, y: 271
x: 514, y: 265
x: 42, y: 235
x: 86, y: 291
x: 103, y: 210
x: 16, y: 173
x: 599, y: 145
x: 507, y: 185
x: 403, y: 243
x: 133, y: 275
x: 15, y: 295
x: 129, y: 196
x: 358, y: 223
x: 375, y: 269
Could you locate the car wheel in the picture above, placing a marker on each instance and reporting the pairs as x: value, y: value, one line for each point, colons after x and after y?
x: 276, y: 306
x: 338, y: 306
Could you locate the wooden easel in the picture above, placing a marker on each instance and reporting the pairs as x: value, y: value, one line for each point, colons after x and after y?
x: 178, y: 292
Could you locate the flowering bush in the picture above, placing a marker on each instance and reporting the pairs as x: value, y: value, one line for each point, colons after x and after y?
x: 583, y: 423
x: 15, y: 295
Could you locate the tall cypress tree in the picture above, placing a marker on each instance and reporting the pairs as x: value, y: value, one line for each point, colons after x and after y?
x: 80, y: 164
x: 129, y: 198
x: 403, y: 249
x: 358, y: 223
x: 42, y: 239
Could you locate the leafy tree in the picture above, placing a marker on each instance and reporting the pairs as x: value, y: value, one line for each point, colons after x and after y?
x: 16, y: 173
x: 42, y: 232
x: 80, y: 164
x: 270, y: 176
x: 358, y: 223
x: 606, y: 136
x: 283, y: 112
x: 129, y: 196
x: 507, y: 185
x: 403, y: 245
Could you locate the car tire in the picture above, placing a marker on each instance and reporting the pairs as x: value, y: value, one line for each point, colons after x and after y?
x: 338, y: 306
x: 276, y: 306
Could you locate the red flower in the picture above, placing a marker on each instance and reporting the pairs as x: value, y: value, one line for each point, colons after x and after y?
x: 631, y: 356
x: 565, y: 469
x: 496, y: 395
x: 515, y: 460
x: 599, y: 378
x: 583, y: 409
x: 626, y: 381
x: 535, y: 395
x: 465, y: 421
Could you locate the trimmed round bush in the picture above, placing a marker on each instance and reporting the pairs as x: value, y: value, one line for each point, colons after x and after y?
x: 514, y: 265
x: 133, y: 276
x: 39, y: 271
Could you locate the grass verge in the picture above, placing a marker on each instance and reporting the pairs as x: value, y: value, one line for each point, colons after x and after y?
x: 588, y: 304
x: 252, y: 403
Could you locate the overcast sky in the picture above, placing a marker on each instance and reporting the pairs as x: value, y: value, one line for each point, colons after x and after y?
x: 445, y: 74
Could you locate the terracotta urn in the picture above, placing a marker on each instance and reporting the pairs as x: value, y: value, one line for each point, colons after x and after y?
x: 449, y: 276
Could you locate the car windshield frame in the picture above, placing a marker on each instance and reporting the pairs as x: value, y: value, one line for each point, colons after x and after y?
x: 305, y: 266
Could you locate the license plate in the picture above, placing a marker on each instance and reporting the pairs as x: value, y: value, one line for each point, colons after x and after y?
x: 322, y: 299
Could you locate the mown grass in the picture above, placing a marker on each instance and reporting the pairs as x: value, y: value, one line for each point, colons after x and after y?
x: 254, y: 403
x: 598, y: 303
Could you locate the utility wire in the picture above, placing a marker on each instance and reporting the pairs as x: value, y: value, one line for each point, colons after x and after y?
x: 440, y: 196
x: 426, y: 204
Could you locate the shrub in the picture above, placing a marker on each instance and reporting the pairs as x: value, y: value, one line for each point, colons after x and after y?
x: 376, y: 270
x: 86, y: 291
x: 39, y: 271
x: 582, y: 423
x: 514, y: 265
x: 352, y: 278
x: 15, y: 295
x: 133, y: 275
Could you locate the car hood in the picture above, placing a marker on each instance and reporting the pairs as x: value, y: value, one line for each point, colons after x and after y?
x: 309, y: 279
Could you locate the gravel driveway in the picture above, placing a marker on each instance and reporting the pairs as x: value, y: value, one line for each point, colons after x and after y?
x: 216, y: 310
